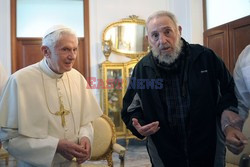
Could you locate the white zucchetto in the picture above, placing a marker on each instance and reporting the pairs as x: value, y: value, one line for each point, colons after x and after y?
x: 54, y: 28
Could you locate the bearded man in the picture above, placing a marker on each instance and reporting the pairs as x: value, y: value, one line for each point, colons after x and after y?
x: 179, y: 117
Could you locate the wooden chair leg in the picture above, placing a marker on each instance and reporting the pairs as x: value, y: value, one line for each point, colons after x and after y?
x: 7, y: 160
x: 110, y: 160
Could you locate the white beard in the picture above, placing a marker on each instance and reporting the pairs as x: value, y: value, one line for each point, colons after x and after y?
x: 169, y: 58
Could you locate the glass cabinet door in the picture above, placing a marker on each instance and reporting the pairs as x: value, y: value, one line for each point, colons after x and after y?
x: 115, y: 95
x: 116, y: 77
x: 113, y: 75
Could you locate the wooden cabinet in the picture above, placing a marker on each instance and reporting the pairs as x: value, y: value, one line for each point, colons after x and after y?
x: 113, y: 84
x: 228, y: 40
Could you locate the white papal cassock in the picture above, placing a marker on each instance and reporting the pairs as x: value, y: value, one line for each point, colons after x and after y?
x: 242, y: 82
x: 3, y: 77
x: 29, y: 102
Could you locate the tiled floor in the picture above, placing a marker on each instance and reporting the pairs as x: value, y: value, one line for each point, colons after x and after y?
x: 136, y: 156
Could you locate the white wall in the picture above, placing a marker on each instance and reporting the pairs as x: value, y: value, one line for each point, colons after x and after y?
x: 232, y: 10
x: 5, y: 56
x: 182, y: 11
x: 103, y: 13
x: 189, y: 14
x: 196, y: 24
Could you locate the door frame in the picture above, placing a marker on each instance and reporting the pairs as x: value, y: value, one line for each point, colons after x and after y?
x: 85, y: 64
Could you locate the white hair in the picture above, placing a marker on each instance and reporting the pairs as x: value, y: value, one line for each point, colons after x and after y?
x: 54, y: 34
x: 160, y: 14
x: 169, y: 58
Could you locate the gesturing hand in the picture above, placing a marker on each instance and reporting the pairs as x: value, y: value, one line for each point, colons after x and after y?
x: 146, y: 130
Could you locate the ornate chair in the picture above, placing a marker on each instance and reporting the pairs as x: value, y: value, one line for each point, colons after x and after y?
x: 234, y: 160
x: 104, y: 143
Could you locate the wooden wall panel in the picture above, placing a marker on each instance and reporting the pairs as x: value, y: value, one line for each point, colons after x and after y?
x: 228, y: 40
x: 217, y: 40
x: 239, y: 32
x: 80, y: 60
x: 28, y: 51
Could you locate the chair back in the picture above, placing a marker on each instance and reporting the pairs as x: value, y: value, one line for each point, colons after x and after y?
x: 104, y: 138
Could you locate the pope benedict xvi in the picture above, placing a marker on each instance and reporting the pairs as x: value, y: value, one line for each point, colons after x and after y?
x: 49, y: 105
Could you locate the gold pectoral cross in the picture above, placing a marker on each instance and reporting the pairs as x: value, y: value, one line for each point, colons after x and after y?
x: 62, y: 112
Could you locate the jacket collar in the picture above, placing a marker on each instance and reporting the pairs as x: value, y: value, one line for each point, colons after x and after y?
x: 193, y: 54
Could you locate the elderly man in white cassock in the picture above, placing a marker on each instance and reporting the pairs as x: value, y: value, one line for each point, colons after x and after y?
x: 3, y: 77
x: 3, y: 80
x: 49, y: 105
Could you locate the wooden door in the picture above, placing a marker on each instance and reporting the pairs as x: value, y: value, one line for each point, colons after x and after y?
x: 217, y: 40
x: 26, y: 51
x: 239, y: 33
x: 228, y: 40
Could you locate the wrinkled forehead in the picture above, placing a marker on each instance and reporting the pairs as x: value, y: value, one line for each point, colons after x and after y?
x: 160, y: 23
x: 67, y: 39
x: 67, y: 34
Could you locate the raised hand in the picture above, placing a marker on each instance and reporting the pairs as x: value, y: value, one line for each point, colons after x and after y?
x: 146, y: 130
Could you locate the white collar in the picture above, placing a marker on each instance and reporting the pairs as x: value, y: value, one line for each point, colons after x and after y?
x: 45, y: 68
